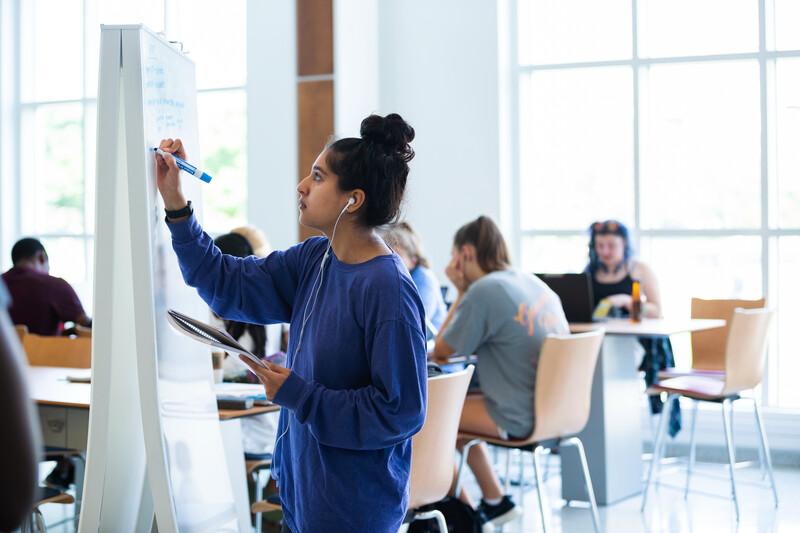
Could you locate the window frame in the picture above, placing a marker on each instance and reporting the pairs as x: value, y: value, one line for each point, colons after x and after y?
x: 13, y: 109
x: 766, y: 231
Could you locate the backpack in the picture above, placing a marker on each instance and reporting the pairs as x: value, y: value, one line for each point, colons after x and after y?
x: 460, y: 518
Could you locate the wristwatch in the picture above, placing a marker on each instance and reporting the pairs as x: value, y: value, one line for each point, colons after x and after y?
x: 182, y: 212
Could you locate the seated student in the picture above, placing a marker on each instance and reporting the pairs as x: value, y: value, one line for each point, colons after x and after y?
x: 258, y: 432
x: 38, y: 300
x: 613, y: 268
x: 405, y: 241
x: 42, y: 303
x: 503, y: 316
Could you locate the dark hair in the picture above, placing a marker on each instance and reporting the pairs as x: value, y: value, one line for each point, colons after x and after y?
x: 609, y: 227
x: 377, y: 163
x: 25, y: 249
x: 238, y: 245
x: 485, y: 236
x: 234, y: 244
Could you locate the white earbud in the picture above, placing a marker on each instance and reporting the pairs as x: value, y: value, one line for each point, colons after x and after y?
x: 350, y: 201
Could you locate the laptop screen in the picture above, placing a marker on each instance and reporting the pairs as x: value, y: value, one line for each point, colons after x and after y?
x: 575, y: 292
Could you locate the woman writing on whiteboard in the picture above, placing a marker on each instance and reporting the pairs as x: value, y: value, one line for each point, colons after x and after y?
x: 354, y: 389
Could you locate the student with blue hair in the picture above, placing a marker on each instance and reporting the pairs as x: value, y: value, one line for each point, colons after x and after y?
x: 613, y: 268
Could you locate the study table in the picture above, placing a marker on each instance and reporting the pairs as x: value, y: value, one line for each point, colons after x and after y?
x: 63, y: 408
x: 613, y: 435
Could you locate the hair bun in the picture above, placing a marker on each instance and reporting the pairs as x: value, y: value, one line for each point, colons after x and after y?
x: 391, y: 132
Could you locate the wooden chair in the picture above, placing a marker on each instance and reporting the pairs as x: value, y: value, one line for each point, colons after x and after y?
x: 561, y: 404
x: 708, y: 347
x: 745, y: 348
x: 58, y: 351
x: 433, y: 447
x: 62, y: 352
x: 21, y: 330
x: 256, y: 468
x: 46, y: 495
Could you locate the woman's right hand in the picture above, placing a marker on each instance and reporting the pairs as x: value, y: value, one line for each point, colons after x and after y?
x: 167, y: 178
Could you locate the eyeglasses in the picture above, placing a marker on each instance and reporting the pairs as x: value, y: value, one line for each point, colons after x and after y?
x: 609, y: 226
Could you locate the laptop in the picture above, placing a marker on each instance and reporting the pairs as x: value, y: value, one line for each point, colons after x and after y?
x: 575, y: 292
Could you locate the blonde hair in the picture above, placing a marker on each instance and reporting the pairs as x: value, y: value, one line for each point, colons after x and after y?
x: 255, y: 237
x: 403, y: 235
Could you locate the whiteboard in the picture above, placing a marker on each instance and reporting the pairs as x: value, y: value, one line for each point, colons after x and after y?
x: 154, y: 412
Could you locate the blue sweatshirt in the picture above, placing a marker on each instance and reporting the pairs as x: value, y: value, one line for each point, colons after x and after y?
x: 357, y: 391
x: 431, y: 294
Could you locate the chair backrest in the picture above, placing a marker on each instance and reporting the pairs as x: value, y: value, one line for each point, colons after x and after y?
x: 746, y: 348
x: 21, y: 330
x: 58, y: 351
x: 564, y: 384
x: 708, y: 347
x: 432, y: 448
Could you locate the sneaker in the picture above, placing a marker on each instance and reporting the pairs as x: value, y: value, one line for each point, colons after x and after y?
x: 499, y: 514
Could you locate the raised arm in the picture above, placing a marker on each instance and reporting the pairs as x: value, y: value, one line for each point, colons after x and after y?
x: 246, y: 289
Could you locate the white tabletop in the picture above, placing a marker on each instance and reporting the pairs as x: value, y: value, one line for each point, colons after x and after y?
x: 49, y: 386
x: 648, y: 326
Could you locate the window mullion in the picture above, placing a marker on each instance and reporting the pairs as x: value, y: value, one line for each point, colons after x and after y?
x: 637, y: 221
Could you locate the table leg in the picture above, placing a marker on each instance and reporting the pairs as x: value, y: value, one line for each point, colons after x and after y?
x: 612, y: 437
x: 234, y: 455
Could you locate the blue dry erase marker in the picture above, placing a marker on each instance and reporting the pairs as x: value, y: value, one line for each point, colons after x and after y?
x: 186, y: 167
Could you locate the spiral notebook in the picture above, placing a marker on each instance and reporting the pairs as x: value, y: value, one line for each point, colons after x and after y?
x: 207, y: 334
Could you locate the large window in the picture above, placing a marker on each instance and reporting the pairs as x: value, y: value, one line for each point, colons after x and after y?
x: 681, y: 119
x: 59, y: 46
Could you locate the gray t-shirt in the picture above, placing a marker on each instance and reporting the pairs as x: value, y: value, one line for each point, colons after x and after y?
x: 504, y: 318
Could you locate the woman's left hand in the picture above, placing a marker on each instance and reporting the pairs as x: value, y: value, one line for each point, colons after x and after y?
x: 455, y: 273
x: 272, y: 377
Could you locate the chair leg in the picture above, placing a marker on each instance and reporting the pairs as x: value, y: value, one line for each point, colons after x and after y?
x: 764, y: 447
x: 462, y: 463
x: 521, y: 476
x: 762, y: 462
x: 259, y: 488
x: 80, y: 474
x: 440, y: 521
x: 731, y: 458
x: 546, y: 473
x: 544, y: 510
x: 507, y: 480
x: 38, y: 519
x: 662, y: 426
x: 428, y: 515
x: 587, y: 478
x: 661, y: 455
x: 690, y: 465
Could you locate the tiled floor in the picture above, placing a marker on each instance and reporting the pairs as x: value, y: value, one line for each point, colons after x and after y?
x: 708, y: 508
